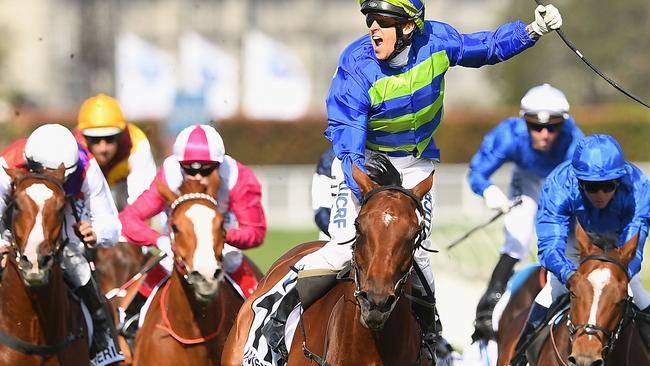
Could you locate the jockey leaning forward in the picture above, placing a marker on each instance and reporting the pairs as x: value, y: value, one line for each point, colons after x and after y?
x: 608, y: 196
x: 90, y: 215
x: 544, y: 136
x: 386, y: 96
x: 121, y: 149
x: 199, y: 152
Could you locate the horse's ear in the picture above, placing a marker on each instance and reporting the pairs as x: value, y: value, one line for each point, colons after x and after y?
x: 423, y: 187
x: 628, y: 250
x: 14, y: 173
x: 59, y: 173
x: 363, y: 180
x: 585, y: 245
x: 214, y: 181
x: 165, y: 192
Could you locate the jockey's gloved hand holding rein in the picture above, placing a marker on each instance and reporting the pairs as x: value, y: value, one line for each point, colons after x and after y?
x: 547, y: 18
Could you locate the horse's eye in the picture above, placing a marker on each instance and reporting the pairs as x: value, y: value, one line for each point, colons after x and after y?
x: 175, y: 229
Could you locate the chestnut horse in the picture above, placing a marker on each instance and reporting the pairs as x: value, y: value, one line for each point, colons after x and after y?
x: 598, y: 329
x: 366, y: 321
x: 189, y: 317
x: 40, y: 323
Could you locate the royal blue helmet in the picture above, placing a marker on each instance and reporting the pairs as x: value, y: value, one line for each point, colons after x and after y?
x: 598, y: 158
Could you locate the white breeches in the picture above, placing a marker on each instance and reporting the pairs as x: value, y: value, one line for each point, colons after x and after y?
x: 334, y: 255
x: 518, y: 224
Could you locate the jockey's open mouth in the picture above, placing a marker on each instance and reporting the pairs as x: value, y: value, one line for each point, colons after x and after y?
x: 377, y: 41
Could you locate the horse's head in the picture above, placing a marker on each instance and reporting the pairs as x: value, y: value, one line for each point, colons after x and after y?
x: 197, y: 235
x: 599, y: 298
x: 35, y: 216
x: 388, y: 232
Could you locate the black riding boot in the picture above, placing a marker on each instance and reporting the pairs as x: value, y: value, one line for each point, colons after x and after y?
x: 483, y: 327
x: 426, y: 313
x: 643, y: 324
x: 306, y: 291
x: 104, y: 329
x: 131, y: 316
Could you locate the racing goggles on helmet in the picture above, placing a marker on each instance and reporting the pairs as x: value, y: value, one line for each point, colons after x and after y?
x: 195, y: 167
x: 384, y: 21
x: 606, y: 186
x: 545, y: 118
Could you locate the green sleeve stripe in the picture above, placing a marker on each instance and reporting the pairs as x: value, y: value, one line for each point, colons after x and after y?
x: 403, y: 84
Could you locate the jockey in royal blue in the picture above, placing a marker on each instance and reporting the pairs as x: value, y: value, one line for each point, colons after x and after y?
x: 542, y: 137
x: 387, y: 97
x: 90, y: 219
x: 608, y: 196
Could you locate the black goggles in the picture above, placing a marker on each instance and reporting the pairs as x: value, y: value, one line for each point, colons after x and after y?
x: 605, y: 186
x: 195, y: 168
x: 94, y: 140
x: 539, y: 127
x: 384, y: 21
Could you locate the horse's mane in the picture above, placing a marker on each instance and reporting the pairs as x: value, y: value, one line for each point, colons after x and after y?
x: 382, y: 171
x: 192, y: 186
x: 605, y: 241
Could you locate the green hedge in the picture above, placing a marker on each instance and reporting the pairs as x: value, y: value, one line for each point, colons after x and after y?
x: 302, y: 142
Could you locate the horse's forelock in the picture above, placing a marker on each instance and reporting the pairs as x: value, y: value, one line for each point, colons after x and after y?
x: 605, y: 241
x: 192, y: 186
x: 382, y: 171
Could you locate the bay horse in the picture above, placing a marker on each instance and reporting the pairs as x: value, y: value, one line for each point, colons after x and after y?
x: 189, y: 317
x: 40, y: 323
x: 366, y: 321
x: 598, y: 328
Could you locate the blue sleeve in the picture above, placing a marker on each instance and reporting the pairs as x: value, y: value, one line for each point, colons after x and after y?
x: 640, y: 221
x: 348, y: 104
x: 488, y: 48
x: 552, y: 226
x: 492, y: 153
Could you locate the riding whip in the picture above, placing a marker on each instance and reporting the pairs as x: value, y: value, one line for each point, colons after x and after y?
x: 517, y: 202
x: 120, y: 291
x: 611, y: 82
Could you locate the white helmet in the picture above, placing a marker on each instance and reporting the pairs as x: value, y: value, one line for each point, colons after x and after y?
x: 545, y: 101
x: 51, y: 145
x: 200, y: 143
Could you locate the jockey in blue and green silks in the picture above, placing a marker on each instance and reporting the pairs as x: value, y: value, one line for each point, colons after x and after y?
x: 387, y: 97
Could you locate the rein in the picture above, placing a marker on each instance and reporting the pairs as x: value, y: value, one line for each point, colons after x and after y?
x: 168, y: 326
x: 39, y: 349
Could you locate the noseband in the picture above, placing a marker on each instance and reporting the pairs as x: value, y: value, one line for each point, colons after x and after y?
x: 594, y: 329
x: 421, y: 235
x: 179, y: 262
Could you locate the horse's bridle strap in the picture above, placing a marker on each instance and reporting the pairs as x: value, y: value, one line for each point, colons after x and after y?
x: 606, y: 258
x: 400, y: 189
x: 193, y: 196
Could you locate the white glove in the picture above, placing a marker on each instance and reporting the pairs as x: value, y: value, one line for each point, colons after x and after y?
x: 165, y: 245
x: 496, y: 199
x: 547, y: 18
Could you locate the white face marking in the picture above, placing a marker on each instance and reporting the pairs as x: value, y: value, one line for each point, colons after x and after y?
x: 388, y: 218
x: 39, y: 193
x: 599, y: 278
x: 204, y: 257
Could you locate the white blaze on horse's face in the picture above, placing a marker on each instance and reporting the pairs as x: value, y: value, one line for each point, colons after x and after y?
x: 388, y: 218
x: 205, y: 261
x: 39, y: 193
x: 599, y: 278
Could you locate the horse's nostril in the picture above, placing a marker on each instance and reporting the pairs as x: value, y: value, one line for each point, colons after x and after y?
x: 218, y: 273
x: 195, y: 276
x: 44, y: 261
x: 572, y: 360
x: 363, y: 295
x: 597, y: 363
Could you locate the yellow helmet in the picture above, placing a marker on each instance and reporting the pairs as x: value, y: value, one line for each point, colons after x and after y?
x: 101, y: 115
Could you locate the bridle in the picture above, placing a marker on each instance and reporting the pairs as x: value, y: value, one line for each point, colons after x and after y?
x: 594, y: 329
x: 22, y: 261
x: 420, y: 236
x: 179, y: 263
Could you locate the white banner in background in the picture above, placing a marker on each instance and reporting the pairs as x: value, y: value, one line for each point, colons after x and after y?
x: 209, y: 71
x: 146, y: 81
x: 276, y: 83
